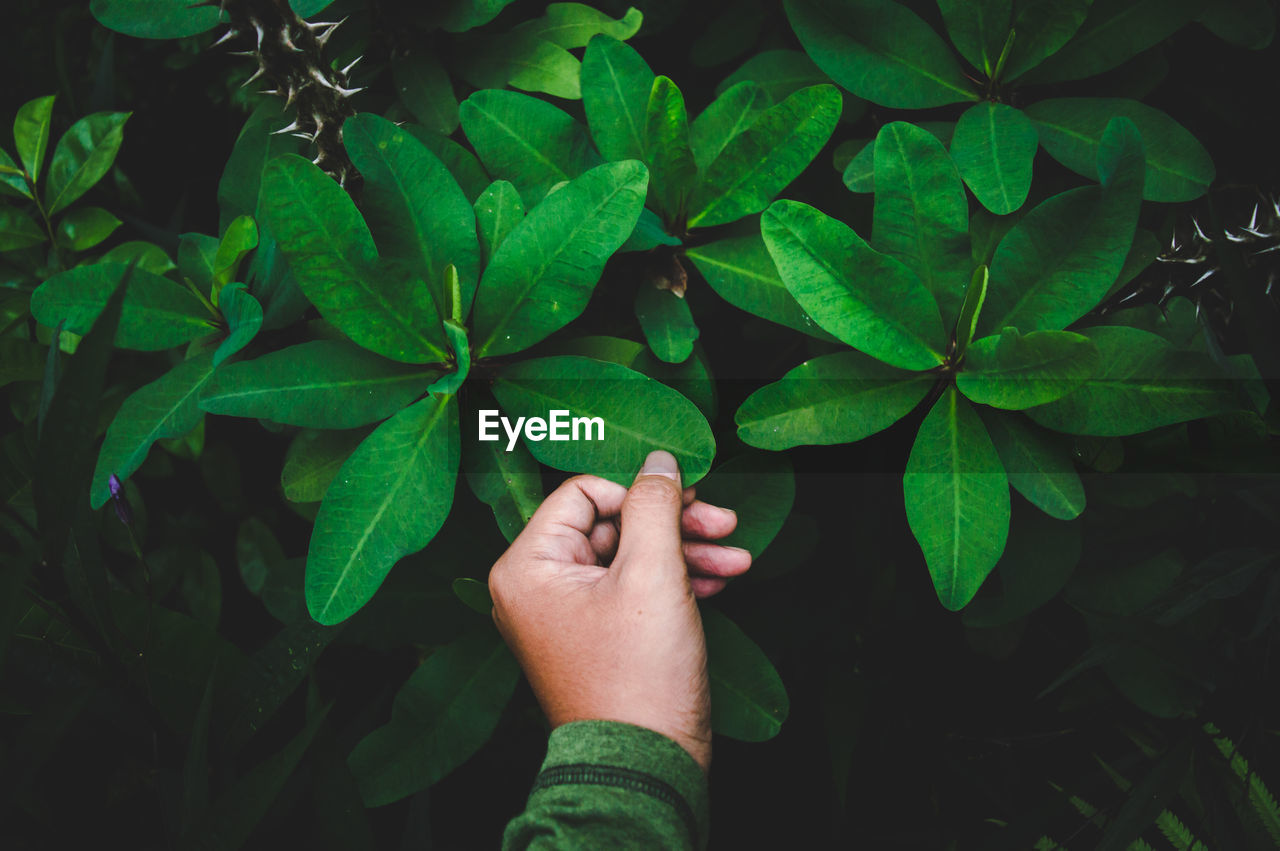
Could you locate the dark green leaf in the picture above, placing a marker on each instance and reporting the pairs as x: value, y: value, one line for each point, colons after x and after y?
x: 257, y: 144
x: 1012, y: 371
x: 167, y: 407
x: 839, y: 398
x: 1042, y: 27
x: 461, y: 15
x: 446, y: 710
x: 1154, y: 795
x: 415, y: 209
x: 667, y: 153
x: 649, y: 233
x: 881, y: 51
x: 692, y: 379
x: 462, y: 164
x: 1248, y: 23
x: 197, y: 254
x: 12, y: 181
x: 85, y: 227
x: 313, y: 459
x: 424, y: 87
x: 18, y: 230
x: 388, y: 500
x: 777, y: 72
x: 331, y: 253
x: 244, y: 319
x: 616, y: 83
x: 742, y: 273
x: 758, y: 163
x: 860, y: 296
x: 158, y: 314
x: 82, y: 157
x: 542, y: 275
x: 667, y: 324
x: 31, y: 133
x: 1142, y: 253
x: 1038, y: 464
x: 975, y: 295
x: 760, y: 487
x: 639, y: 415
x: 1178, y: 166
x: 526, y: 141
x: 748, y: 699
x: 322, y: 384
x: 1045, y: 276
x: 1039, y: 559
x: 498, y: 210
x: 474, y: 594
x: 921, y: 213
x: 1143, y: 383
x: 978, y: 29
x: 728, y: 116
x: 20, y: 360
x: 957, y: 499
x: 155, y: 18
x: 507, y: 480
x: 993, y: 147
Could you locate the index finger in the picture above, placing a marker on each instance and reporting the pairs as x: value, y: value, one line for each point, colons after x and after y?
x: 577, y: 504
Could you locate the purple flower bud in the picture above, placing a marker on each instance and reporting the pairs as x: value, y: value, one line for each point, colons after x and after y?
x: 118, y: 500
x: 113, y: 482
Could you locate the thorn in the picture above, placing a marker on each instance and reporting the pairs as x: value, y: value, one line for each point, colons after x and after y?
x: 1168, y: 291
x: 349, y: 92
x: 1271, y: 282
x: 227, y: 36
x: 292, y: 127
x: 288, y: 42
x: 320, y: 78
x: 1130, y: 297
x: 1200, y: 232
x: 1174, y: 245
x: 1231, y: 237
x: 257, y: 27
x: 1206, y: 276
x: 319, y: 25
x: 319, y: 157
x: 304, y: 136
x: 256, y: 74
x: 241, y: 53
x: 1255, y: 232
x: 345, y: 71
x: 1253, y: 220
x: 1275, y: 247
x: 325, y: 36
x: 399, y: 123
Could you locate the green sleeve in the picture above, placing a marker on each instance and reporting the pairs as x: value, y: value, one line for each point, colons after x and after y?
x: 605, y: 784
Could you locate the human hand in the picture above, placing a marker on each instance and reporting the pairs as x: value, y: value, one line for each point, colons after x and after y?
x: 596, y: 598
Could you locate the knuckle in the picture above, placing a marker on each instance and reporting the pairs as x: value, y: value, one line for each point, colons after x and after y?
x: 654, y: 490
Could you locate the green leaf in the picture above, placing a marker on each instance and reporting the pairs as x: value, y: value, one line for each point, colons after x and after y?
x: 760, y: 487
x: 728, y: 116
x: 881, y: 51
x: 197, y: 253
x: 777, y: 72
x: 167, y: 407
x: 83, y: 155
x: 1042, y: 27
x: 240, y: 238
x: 1158, y: 791
x: 859, y: 172
x: 155, y: 18
x: 1247, y: 23
x: 758, y: 163
x: 331, y: 253
x: 526, y: 140
x: 158, y: 313
x: 241, y: 180
x: 423, y: 87
x: 321, y: 384
x: 524, y: 61
x: 978, y: 29
x: 446, y: 710
x: 1143, y: 383
x: 993, y: 147
x: 667, y: 324
x: 616, y: 83
x: 1178, y: 166
x: 639, y: 415
x: 313, y: 459
x: 860, y: 296
x: 18, y: 230
x: 1046, y: 276
x: 742, y: 273
x: 649, y: 233
x: 1114, y: 31
x: 85, y: 227
x: 1038, y: 464
x: 572, y: 25
x: 748, y: 699
x: 20, y: 360
x: 462, y: 164
x: 31, y: 133
x: 244, y: 319
x: 975, y: 295
x: 498, y: 210
x: 1142, y: 253
x: 921, y: 212
x: 462, y: 15
x: 449, y: 383
x: 1039, y: 559
x: 542, y: 275
x: 388, y: 500
x: 667, y: 153
x: 692, y: 379
x: 473, y: 594
x: 415, y: 209
x: 509, y: 482
x: 839, y: 398
x: 957, y: 499
x: 1012, y: 371
x: 12, y: 181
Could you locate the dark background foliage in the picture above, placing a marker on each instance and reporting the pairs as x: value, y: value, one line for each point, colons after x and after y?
x: 907, y: 728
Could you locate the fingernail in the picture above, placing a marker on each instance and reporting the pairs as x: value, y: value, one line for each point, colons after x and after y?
x: 660, y: 463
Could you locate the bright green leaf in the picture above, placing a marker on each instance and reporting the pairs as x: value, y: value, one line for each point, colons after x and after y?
x: 12, y: 181
x: 975, y: 295
x: 729, y: 115
x: 859, y: 172
x: 748, y: 699
x: 31, y: 133
x: 672, y: 169
x: 957, y: 498
x: 388, y: 500
x: 82, y: 156
x: 85, y: 227
x: 993, y: 147
x: 616, y: 83
x: 1038, y: 464
x: 525, y: 62
x: 498, y: 210
x: 572, y: 25
x: 667, y: 324
x: 240, y: 238
x: 1012, y: 371
x: 243, y: 314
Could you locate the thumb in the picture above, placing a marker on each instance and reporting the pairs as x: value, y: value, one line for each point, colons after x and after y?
x: 649, y: 539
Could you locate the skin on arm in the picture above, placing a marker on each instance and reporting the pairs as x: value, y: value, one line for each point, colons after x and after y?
x: 597, y: 600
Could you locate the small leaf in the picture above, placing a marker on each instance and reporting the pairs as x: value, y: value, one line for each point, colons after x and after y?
x: 388, y: 500
x: 839, y: 398
x: 498, y: 210
x: 83, y: 155
x: 85, y: 227
x: 616, y: 83
x: 993, y: 147
x: 860, y: 296
x: 758, y: 163
x: 639, y: 415
x: 240, y: 238
x: 974, y: 297
x: 321, y: 384
x: 474, y: 594
x: 18, y: 230
x: 760, y: 487
x: 880, y: 50
x: 1013, y: 371
x: 167, y: 407
x: 667, y: 153
x: 748, y: 700
x: 423, y: 87
x: 1038, y: 464
x: 243, y: 314
x: 957, y: 499
x: 729, y: 115
x: 667, y: 324
x: 158, y: 314
x: 12, y: 181
x: 542, y: 275
x: 31, y: 133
